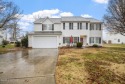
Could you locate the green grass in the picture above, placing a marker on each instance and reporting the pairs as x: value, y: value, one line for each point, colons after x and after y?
x: 6, y: 48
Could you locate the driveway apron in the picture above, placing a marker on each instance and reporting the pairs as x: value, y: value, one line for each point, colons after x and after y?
x: 36, y: 66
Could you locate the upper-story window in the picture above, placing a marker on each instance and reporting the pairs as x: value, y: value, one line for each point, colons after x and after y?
x: 71, y: 26
x: 47, y: 27
x: 79, y: 26
x: 64, y: 26
x: 98, y: 26
x: 91, y: 26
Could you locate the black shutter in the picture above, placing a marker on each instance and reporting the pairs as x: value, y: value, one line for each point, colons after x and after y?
x: 78, y: 26
x: 52, y: 26
x: 63, y: 39
x: 86, y: 26
x: 63, y: 26
x: 90, y: 40
x: 100, y: 27
x: 72, y: 26
x: 42, y: 27
x: 78, y: 39
x: 90, y: 27
x: 100, y: 40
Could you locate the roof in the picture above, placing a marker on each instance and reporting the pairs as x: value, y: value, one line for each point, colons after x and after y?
x: 69, y: 18
x: 54, y: 20
x: 93, y: 20
x: 46, y: 33
x: 74, y: 18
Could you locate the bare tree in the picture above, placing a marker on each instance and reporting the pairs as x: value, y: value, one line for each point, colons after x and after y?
x: 115, y: 17
x: 8, y: 12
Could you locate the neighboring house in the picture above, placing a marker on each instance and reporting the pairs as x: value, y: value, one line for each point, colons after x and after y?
x: 57, y: 32
x: 114, y: 38
x: 1, y: 35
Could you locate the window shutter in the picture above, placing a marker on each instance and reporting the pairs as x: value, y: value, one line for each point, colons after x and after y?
x: 78, y: 39
x: 90, y: 40
x: 100, y: 27
x: 42, y: 27
x: 52, y: 26
x: 100, y: 40
x: 63, y: 26
x: 63, y: 39
x: 86, y: 26
x: 78, y: 26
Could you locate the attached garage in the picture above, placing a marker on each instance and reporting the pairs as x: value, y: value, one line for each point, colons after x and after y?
x: 44, y: 42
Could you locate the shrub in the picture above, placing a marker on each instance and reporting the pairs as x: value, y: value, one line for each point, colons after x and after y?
x: 95, y: 45
x: 79, y: 44
x: 24, y: 41
x: 17, y: 44
x: 3, y: 46
x: 4, y: 42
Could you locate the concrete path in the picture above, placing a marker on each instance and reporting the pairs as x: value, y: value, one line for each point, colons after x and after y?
x: 36, y: 66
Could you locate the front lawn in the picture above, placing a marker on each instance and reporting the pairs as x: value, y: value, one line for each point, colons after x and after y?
x: 91, y: 65
x: 7, y: 48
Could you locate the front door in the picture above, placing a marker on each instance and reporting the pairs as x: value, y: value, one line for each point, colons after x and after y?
x: 81, y: 39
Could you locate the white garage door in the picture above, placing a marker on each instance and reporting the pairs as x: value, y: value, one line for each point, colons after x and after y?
x: 44, y: 42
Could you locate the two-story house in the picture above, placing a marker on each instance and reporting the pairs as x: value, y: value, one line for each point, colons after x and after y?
x: 57, y: 32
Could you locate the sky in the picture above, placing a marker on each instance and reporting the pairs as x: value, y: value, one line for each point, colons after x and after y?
x: 58, y: 8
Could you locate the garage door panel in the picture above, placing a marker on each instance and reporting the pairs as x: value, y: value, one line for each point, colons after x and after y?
x: 45, y: 42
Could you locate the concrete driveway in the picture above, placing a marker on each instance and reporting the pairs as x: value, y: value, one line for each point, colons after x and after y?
x: 36, y: 66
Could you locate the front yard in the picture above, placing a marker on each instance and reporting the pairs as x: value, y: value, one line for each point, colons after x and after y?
x: 8, y: 48
x: 91, y: 65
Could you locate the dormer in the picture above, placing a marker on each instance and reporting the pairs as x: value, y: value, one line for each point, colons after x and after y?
x: 47, y: 24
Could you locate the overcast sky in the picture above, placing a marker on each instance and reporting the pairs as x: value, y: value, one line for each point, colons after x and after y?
x: 58, y: 8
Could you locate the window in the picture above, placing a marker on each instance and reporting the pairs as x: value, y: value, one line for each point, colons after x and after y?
x: 66, y: 39
x: 71, y: 26
x: 64, y: 26
x: 91, y: 39
x: 75, y: 39
x: 118, y: 40
x: 86, y: 26
x: 79, y: 26
x: 98, y: 40
x: 47, y: 27
x: 98, y: 26
x: 92, y: 26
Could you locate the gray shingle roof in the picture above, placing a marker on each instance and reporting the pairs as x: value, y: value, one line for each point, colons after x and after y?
x: 66, y: 19
x: 74, y: 18
x: 54, y: 20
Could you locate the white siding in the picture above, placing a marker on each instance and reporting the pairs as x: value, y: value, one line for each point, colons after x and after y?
x: 57, y: 27
x: 95, y: 33
x: 30, y: 38
x: 37, y: 27
x: 47, y: 21
x: 114, y: 38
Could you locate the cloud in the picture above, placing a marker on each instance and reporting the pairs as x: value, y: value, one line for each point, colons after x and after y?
x: 86, y: 16
x: 101, y: 1
x: 66, y: 14
x: 26, y: 22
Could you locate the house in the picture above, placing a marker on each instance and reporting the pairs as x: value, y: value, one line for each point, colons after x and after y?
x: 1, y: 35
x: 57, y: 32
x: 114, y: 38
